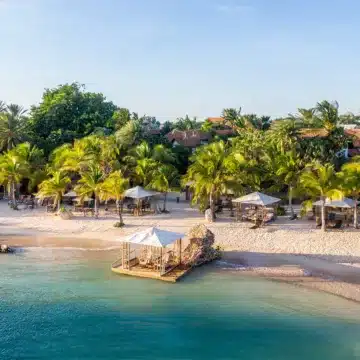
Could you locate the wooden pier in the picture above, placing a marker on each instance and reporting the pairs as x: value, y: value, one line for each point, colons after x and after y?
x: 172, y: 275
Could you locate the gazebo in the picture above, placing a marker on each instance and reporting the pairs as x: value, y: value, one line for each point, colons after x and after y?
x: 138, y: 193
x: 255, y: 207
x: 151, y: 253
x: 336, y: 210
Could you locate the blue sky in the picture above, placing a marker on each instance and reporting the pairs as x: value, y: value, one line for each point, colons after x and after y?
x: 169, y: 58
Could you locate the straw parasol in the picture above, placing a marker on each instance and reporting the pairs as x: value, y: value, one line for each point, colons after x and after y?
x: 258, y: 199
x: 138, y: 192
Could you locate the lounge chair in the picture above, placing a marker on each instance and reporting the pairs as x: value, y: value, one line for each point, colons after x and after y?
x: 146, y: 260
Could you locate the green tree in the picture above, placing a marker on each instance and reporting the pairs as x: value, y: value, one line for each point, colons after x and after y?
x: 328, y: 113
x: 289, y: 168
x: 165, y: 178
x: 114, y: 188
x: 350, y: 184
x: 233, y: 118
x: 13, y: 168
x: 320, y: 181
x: 91, y: 184
x: 215, y: 168
x: 55, y: 187
x: 68, y: 112
x: 144, y: 170
x: 12, y: 124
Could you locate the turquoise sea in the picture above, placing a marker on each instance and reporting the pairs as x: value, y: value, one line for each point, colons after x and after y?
x: 66, y: 304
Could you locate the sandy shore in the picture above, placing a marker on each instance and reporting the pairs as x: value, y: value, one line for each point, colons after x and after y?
x: 293, y: 251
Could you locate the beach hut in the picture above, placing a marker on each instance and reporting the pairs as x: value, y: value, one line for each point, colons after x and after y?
x: 336, y: 211
x: 256, y: 207
x: 70, y: 194
x: 152, y: 253
x: 138, y: 193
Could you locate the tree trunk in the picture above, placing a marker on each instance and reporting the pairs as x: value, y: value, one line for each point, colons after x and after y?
x: 290, y: 195
x: 323, y: 222
x: 165, y: 196
x: 355, y: 214
x: 119, y: 210
x: 13, y: 194
x: 58, y: 200
x: 212, y: 205
x: 96, y: 210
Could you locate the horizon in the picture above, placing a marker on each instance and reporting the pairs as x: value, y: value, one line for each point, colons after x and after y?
x: 169, y: 59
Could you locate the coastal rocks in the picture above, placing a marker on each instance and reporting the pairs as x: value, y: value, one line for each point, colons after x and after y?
x: 65, y: 214
x: 4, y: 249
x: 200, y: 250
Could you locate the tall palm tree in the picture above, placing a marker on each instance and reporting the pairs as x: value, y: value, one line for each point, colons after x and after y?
x: 328, y: 113
x: 144, y: 170
x: 165, y: 179
x: 350, y: 184
x: 90, y: 184
x: 289, y: 167
x: 233, y: 118
x: 321, y: 180
x: 114, y: 188
x: 12, y: 122
x: 13, y: 168
x: 215, y: 168
x: 54, y: 187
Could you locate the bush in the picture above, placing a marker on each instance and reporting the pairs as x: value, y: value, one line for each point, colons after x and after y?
x: 119, y: 224
x: 280, y: 211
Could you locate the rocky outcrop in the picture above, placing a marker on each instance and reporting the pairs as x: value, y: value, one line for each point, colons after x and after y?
x: 4, y: 249
x: 200, y: 250
x: 65, y: 214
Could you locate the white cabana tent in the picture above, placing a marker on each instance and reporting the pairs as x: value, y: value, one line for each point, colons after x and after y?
x: 70, y: 194
x: 153, y: 237
x: 255, y: 210
x: 343, y: 203
x: 257, y: 199
x: 138, y: 192
x: 149, y: 250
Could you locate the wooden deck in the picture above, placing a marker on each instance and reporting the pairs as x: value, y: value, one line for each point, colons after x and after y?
x: 144, y: 272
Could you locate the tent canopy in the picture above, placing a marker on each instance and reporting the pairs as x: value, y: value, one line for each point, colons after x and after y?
x: 153, y: 237
x: 71, y: 193
x: 257, y: 198
x: 138, y: 192
x: 344, y: 203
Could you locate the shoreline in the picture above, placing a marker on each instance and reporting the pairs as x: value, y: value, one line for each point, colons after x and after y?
x: 305, y: 274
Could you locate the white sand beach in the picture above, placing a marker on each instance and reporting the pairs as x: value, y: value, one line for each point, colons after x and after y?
x: 284, y: 250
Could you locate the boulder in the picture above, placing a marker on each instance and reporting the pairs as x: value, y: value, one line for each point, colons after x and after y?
x: 200, y: 249
x: 65, y: 214
x: 4, y: 249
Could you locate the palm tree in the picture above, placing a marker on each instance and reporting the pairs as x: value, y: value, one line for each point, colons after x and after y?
x: 90, y: 184
x: 320, y: 180
x: 215, y: 169
x: 328, y: 113
x: 350, y: 184
x: 233, y: 118
x: 12, y: 122
x: 165, y: 179
x: 144, y: 170
x: 114, y: 188
x: 54, y: 187
x: 289, y: 167
x: 13, y: 168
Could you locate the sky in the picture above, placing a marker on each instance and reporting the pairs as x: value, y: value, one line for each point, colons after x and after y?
x: 168, y: 58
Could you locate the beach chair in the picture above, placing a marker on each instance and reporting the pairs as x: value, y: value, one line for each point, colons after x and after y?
x: 146, y: 259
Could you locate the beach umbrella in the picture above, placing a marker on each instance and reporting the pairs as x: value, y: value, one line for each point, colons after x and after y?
x: 153, y: 237
x: 138, y: 192
x: 343, y: 203
x: 257, y: 198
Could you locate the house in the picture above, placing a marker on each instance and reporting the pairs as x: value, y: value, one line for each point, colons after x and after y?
x: 189, y: 138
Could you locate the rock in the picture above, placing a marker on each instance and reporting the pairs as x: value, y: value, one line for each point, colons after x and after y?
x: 65, y: 214
x: 208, y: 216
x: 4, y: 249
x: 200, y: 250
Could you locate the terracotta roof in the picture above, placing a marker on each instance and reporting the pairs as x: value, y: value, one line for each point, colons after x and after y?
x: 354, y: 152
x: 216, y: 120
x: 188, y: 138
x: 225, y: 132
x: 355, y: 134
x: 313, y: 133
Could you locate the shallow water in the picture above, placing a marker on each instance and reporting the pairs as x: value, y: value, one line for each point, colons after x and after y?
x: 66, y: 304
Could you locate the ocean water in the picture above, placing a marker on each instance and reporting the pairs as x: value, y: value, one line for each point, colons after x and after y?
x: 66, y: 304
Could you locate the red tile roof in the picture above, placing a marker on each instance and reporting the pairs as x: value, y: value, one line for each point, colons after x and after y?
x: 355, y: 134
x: 225, y: 132
x: 216, y: 120
x: 313, y: 133
x: 188, y: 138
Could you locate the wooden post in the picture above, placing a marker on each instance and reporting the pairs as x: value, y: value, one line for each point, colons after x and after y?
x: 160, y: 260
x: 128, y: 256
x: 180, y: 251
